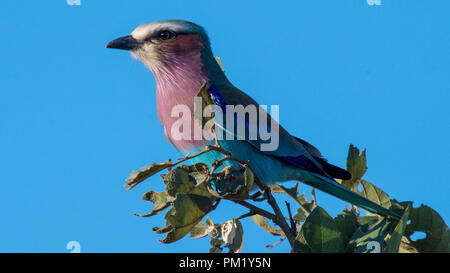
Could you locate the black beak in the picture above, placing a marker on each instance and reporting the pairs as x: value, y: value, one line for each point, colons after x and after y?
x: 125, y: 43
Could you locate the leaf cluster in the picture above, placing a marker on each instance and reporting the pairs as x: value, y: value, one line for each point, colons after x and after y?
x: 190, y: 199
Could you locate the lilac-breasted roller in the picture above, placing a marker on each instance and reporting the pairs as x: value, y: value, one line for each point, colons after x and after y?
x: 180, y: 57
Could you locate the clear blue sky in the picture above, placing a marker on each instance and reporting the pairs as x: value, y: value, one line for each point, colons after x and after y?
x: 76, y: 118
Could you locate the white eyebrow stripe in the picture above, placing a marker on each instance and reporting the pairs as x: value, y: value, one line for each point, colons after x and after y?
x: 144, y: 31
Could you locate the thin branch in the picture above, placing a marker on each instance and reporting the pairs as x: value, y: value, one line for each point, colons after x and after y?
x: 354, y: 209
x: 188, y: 156
x: 251, y: 213
x: 216, y: 204
x: 313, y: 193
x: 256, y: 197
x: 208, y: 149
x: 217, y: 144
x: 270, y: 246
x: 305, y: 208
x: 257, y: 210
x: 293, y: 224
x: 280, y: 221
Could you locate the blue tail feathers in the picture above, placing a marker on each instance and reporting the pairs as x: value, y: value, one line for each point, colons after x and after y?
x: 334, y: 188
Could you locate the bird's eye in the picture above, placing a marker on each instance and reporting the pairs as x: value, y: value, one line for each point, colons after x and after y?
x: 166, y: 35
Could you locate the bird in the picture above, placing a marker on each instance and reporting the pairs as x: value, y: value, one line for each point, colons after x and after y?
x: 179, y: 55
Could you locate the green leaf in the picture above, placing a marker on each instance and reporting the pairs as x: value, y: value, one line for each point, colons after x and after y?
x: 233, y: 235
x: 216, y: 245
x: 184, y: 179
x: 368, y: 221
x: 215, y: 238
x: 399, y: 207
x: 302, y: 199
x: 370, y: 235
x: 262, y: 223
x: 427, y: 220
x: 161, y: 201
x: 187, y: 211
x: 200, y: 230
x: 206, y: 100
x: 347, y: 223
x: 242, y: 191
x: 209, y: 222
x: 137, y: 177
x: 178, y: 181
x: 319, y: 234
x: 393, y: 244
x: 162, y: 230
x: 375, y: 194
x: 293, y: 193
x: 356, y: 165
x: 236, y: 184
x: 406, y: 246
x: 300, y: 216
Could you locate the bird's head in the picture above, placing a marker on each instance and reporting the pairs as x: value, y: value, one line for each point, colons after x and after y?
x: 165, y: 43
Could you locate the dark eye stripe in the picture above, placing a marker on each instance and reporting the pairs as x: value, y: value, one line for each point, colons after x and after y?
x: 167, y: 35
x: 156, y: 36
